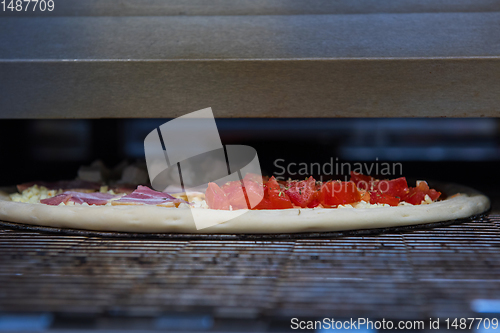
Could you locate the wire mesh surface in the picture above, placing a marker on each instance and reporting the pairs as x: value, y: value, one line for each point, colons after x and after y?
x: 421, y: 274
x: 225, y: 237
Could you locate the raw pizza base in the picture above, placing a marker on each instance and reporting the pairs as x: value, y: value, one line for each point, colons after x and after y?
x: 464, y: 202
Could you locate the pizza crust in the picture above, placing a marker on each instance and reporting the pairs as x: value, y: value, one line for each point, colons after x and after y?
x: 465, y: 202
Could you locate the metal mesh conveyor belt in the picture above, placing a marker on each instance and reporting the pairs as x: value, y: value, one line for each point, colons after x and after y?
x: 419, y: 274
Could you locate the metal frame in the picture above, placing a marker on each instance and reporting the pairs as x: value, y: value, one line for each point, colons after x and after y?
x: 363, y: 65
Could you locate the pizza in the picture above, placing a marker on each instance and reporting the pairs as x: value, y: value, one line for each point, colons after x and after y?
x: 361, y: 190
x: 280, y: 206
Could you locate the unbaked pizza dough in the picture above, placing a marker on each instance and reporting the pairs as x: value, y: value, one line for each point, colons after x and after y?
x: 462, y: 202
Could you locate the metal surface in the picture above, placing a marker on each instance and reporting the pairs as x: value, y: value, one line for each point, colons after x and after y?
x: 280, y: 37
x: 295, y: 88
x: 253, y: 7
x: 180, y: 236
x: 375, y: 65
x: 426, y: 273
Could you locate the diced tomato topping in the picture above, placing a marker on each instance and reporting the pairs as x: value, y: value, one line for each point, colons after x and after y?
x: 268, y: 196
x: 272, y: 194
x: 362, y: 182
x: 254, y: 192
x: 415, y: 197
x: 303, y: 193
x: 433, y: 194
x: 265, y: 203
x: 277, y: 195
x: 396, y: 187
x: 336, y: 193
x: 316, y: 202
x: 423, y: 186
x: 365, y: 196
x: 230, y: 187
x: 235, y: 194
x: 382, y: 198
x: 417, y: 194
x: 216, y: 198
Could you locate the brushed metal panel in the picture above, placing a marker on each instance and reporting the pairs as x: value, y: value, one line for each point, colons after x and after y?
x: 254, y: 7
x: 292, y: 88
x: 380, y: 65
x: 251, y: 37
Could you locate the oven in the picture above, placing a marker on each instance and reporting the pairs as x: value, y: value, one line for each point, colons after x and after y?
x: 407, y: 83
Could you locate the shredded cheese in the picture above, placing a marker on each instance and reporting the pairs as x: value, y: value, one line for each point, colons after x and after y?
x: 34, y: 194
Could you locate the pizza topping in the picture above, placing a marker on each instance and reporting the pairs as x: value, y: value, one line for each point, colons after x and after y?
x: 417, y: 195
x: 123, y: 188
x: 395, y: 191
x: 254, y: 189
x: 139, y: 199
x: 143, y: 195
x: 365, y: 204
x: 395, y: 188
x: 265, y: 203
x: 365, y: 195
x: 216, y: 198
x: 234, y: 193
x: 277, y: 195
x: 57, y: 200
x: 146, y: 191
x: 239, y: 195
x: 96, y: 198
x: 303, y: 193
x: 362, y: 182
x: 382, y: 198
x: 34, y: 194
x: 361, y: 192
x: 334, y: 193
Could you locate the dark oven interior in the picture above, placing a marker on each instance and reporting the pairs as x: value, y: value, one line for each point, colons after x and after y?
x: 52, y: 280
x: 311, y: 86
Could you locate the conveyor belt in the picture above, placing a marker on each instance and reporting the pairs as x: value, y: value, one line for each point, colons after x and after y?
x: 438, y: 272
